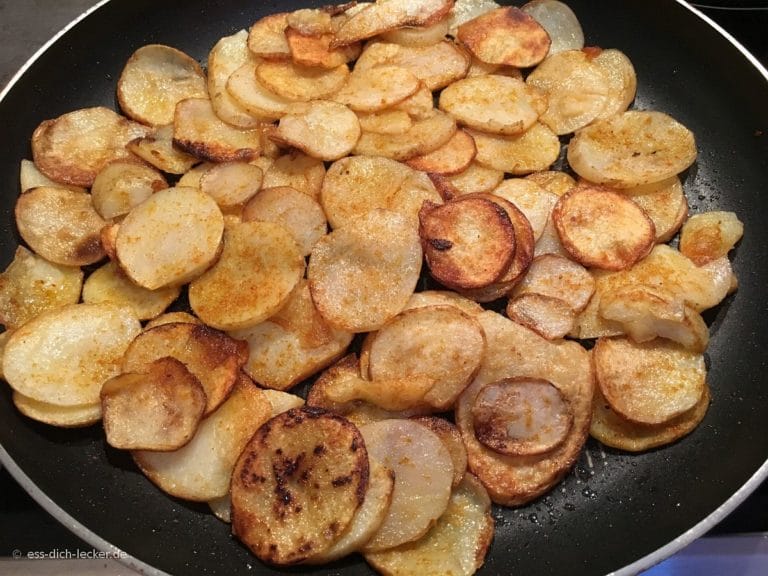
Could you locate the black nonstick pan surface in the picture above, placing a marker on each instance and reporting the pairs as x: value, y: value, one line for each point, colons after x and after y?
x: 614, y: 512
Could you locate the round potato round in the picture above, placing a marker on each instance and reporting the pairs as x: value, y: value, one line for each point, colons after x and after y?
x: 122, y: 185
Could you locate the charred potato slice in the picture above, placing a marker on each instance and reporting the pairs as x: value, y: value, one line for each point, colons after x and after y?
x: 120, y: 186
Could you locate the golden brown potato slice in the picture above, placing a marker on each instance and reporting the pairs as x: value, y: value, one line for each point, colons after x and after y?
x: 505, y: 36
x: 158, y: 150
x: 31, y: 285
x: 558, y: 277
x: 197, y: 130
x: 453, y: 157
x: 649, y: 383
x: 423, y: 137
x: 622, y: 81
x: 60, y: 225
x: 495, y: 104
x: 212, y: 356
x: 390, y: 121
x: 74, y: 147
x: 249, y: 93
x: 232, y: 183
x: 321, y: 129
x: 76, y: 416
x: 559, y: 21
x: 298, y: 171
x: 315, y: 49
x: 532, y: 200
x: 170, y: 318
x: 602, y: 228
x: 711, y: 235
x: 475, y: 179
x: 157, y: 410
x: 376, y: 88
x: 418, y: 35
x: 170, y: 238
x: 632, y: 148
x: 549, y: 317
x: 121, y: 185
x: 266, y: 37
x: 30, y: 177
x: 443, y: 298
x: 665, y: 203
x: 535, y: 149
x: 201, y: 470
x: 363, y: 273
x: 392, y: 394
x: 300, y: 83
x: 155, y: 78
x: 297, y: 485
x: 421, y: 492
x: 451, y: 437
x: 468, y: 242
x: 56, y: 357
x: 191, y: 178
x: 457, y: 544
x: 466, y: 10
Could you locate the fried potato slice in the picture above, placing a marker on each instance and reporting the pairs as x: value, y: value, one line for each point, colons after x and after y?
x: 390, y: 121
x: 531, y: 151
x: 282, y: 401
x: 553, y: 181
x: 63, y: 356
x: 495, y: 104
x: 171, y: 318
x: 710, y: 235
x: 315, y: 49
x: 443, y: 298
x: 558, y: 277
x: 322, y: 129
x: 222, y: 508
x: 231, y: 183
x: 418, y: 36
x: 201, y: 470
x: 505, y: 35
x: 266, y: 37
x: 300, y: 83
x: 515, y: 351
x: 30, y: 177
x: 622, y: 81
x: 453, y: 157
x: 632, y: 148
x: 297, y: 170
x: 423, y: 137
x: 419, y: 106
x: 298, y: 484
x: 421, y: 493
x: 74, y: 147
x: 457, y: 544
x: 377, y: 88
x: 158, y: 150
x: 468, y: 242
x: 60, y: 225
x: 648, y: 383
x: 559, y: 21
x: 170, y: 238
x: 548, y: 316
x: 549, y: 242
x: 532, y: 200
x: 475, y: 179
x: 451, y: 438
x: 158, y: 410
x: 121, y: 185
x: 76, y: 416
x: 154, y: 79
x: 602, y: 228
x: 31, y: 285
x: 211, y: 356
x: 393, y: 394
x: 665, y: 203
x: 363, y: 273
x: 197, y: 130
x: 466, y: 10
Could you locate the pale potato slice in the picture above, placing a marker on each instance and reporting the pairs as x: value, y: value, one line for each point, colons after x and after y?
x: 170, y: 238
x: 197, y: 130
x: 548, y: 316
x: 622, y: 81
x: 259, y: 266
x: 421, y: 493
x: 535, y: 149
x: 121, y: 185
x: 632, y: 148
x: 60, y: 225
x: 453, y: 157
x: 495, y: 104
x: 293, y: 344
x: 76, y: 416
x: 297, y: 212
x: 232, y: 183
x: 201, y: 470
x: 559, y: 21
x: 158, y: 150
x: 63, y: 356
x: 532, y: 200
x: 443, y: 298
x: 376, y: 88
x: 298, y: 484
x: 665, y: 203
x: 266, y: 37
x: 505, y: 35
x: 246, y: 90
x: 418, y: 35
x: 648, y: 383
x: 315, y: 49
x: 282, y: 401
x: 300, y: 83
x: 74, y: 147
x: 710, y: 235
x: 553, y: 181
x: 155, y: 78
x: 310, y: 21
x: 390, y: 121
x: 108, y: 239
x: 171, y: 318
x: 549, y: 242
x: 457, y: 544
x: 466, y: 10
x: 321, y: 129
x: 558, y: 277
x: 30, y: 177
x: 419, y: 106
x: 423, y: 137
x: 721, y: 276
x: 363, y: 273
x: 157, y: 410
x: 212, y: 356
x: 222, y: 508
x: 475, y: 179
x: 31, y: 285
x: 451, y: 438
x: 297, y: 170
x: 602, y: 228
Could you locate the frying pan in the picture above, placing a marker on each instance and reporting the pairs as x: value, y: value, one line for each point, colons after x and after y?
x: 614, y: 511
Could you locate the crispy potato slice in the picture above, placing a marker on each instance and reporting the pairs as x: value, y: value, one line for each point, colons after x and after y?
x: 559, y: 21
x: 632, y: 148
x: 63, y: 356
x: 297, y: 170
x: 457, y: 544
x: 495, y: 104
x: 60, y: 225
x: 553, y: 181
x: 315, y: 49
x: 282, y: 401
x: 300, y: 83
x: 212, y: 356
x: 321, y: 129
x: 515, y: 351
x: 423, y: 137
x: 390, y: 121
x: 451, y: 438
x: 30, y: 177
x: 376, y: 88
x: 121, y: 185
x: 468, y: 242
x: 466, y: 10
x: 535, y: 149
x: 711, y: 235
x: 232, y: 183
x: 665, y: 203
x: 418, y: 36
x: 558, y: 277
x: 532, y: 200
x: 201, y: 470
x: 505, y: 36
x: 171, y: 318
x: 297, y: 212
x: 363, y: 273
x: 158, y: 150
x: 197, y: 130
x: 298, y: 484
x: 548, y: 316
x: 266, y: 37
x: 453, y: 157
x: 602, y: 228
x: 648, y: 383
x: 74, y: 147
x: 170, y: 238
x: 421, y: 493
x: 259, y: 267
x: 246, y: 89
x: 32, y: 285
x: 475, y: 179
x: 158, y: 410
x: 443, y: 298
x: 109, y: 284
x: 293, y: 344
x: 622, y: 81
x: 156, y: 78
x: 77, y: 416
